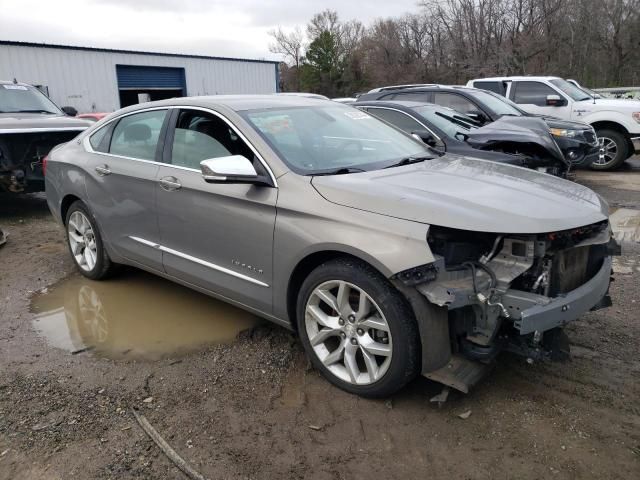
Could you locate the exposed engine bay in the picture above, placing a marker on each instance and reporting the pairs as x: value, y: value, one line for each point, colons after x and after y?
x: 515, y: 292
x: 21, y: 156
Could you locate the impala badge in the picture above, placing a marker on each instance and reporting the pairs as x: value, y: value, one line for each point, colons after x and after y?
x: 251, y: 268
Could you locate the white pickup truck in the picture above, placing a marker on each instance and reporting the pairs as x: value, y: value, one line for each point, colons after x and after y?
x: 617, y: 122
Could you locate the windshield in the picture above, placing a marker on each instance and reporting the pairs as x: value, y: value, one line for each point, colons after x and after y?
x: 21, y: 98
x: 500, y: 105
x: 315, y: 140
x: 570, y: 89
x: 449, y: 121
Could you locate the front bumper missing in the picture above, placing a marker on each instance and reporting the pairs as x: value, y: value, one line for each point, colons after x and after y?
x: 531, y: 312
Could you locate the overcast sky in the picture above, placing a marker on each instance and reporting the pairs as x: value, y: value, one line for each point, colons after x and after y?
x: 208, y: 27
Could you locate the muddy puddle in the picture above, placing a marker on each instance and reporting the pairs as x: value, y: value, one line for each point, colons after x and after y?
x: 133, y: 316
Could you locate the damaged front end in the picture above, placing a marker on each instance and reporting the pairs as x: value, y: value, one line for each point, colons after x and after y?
x: 514, y: 292
x: 21, y: 156
x: 525, y: 137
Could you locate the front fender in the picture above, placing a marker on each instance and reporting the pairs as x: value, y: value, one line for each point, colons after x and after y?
x: 625, y: 120
x: 389, y: 244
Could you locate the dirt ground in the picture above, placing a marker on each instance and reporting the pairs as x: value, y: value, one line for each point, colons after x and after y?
x: 254, y: 408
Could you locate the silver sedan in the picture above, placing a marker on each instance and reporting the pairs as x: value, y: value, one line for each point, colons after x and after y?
x: 388, y: 258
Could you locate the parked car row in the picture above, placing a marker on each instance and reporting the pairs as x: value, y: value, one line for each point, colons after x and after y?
x: 389, y: 255
x: 577, y: 141
x: 30, y: 124
x: 523, y: 141
x: 616, y: 121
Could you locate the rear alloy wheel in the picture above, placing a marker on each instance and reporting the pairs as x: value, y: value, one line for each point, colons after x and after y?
x: 613, y: 150
x: 357, y: 329
x: 85, y: 243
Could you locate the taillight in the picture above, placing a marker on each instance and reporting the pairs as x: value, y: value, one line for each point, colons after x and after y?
x: 44, y: 164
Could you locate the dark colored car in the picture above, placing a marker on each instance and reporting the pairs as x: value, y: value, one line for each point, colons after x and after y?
x: 30, y: 126
x: 577, y: 140
x: 520, y: 141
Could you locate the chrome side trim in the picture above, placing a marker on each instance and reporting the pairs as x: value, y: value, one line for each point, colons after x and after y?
x: 199, y: 261
x: 87, y: 145
x: 144, y: 242
x: 43, y: 129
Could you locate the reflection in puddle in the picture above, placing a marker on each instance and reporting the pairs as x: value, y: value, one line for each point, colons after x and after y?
x: 136, y: 315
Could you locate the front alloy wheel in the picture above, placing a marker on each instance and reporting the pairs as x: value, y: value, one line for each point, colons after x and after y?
x: 348, y: 332
x: 357, y: 328
x: 614, y: 150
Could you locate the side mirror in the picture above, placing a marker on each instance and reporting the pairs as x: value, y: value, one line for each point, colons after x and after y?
x: 555, y: 101
x: 477, y: 116
x: 232, y: 169
x: 428, y: 138
x: 72, y: 112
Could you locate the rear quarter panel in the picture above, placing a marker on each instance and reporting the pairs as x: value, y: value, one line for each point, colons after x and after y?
x: 65, y: 176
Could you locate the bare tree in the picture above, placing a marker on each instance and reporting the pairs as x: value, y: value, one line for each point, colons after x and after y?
x: 290, y: 46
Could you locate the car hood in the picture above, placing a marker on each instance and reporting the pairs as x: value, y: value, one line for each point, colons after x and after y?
x: 468, y: 194
x: 624, y: 104
x: 526, y: 130
x: 27, y: 122
x: 554, y: 122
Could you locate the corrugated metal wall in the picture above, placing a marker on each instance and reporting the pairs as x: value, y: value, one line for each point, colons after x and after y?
x: 87, y: 79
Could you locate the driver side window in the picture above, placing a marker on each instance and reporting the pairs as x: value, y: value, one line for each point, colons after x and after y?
x: 200, y: 136
x: 532, y: 93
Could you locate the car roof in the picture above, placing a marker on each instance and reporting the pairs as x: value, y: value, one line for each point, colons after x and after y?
x: 424, y: 88
x: 11, y: 82
x: 239, y: 102
x: 400, y: 87
x: 389, y: 103
x: 525, y: 77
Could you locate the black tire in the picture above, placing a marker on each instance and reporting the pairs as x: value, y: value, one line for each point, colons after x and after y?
x: 103, y: 267
x: 622, y: 149
x: 405, y: 359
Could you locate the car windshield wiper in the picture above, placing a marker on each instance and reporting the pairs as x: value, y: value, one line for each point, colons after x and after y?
x: 457, y: 120
x: 409, y: 161
x: 338, y: 171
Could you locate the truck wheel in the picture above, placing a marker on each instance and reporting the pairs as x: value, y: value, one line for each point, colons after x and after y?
x: 614, y: 150
x: 85, y: 243
x: 357, y: 329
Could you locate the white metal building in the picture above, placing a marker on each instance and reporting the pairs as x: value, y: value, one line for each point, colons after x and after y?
x: 103, y: 80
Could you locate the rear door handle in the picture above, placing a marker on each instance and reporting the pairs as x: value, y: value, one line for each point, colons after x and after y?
x: 103, y: 170
x: 170, y: 184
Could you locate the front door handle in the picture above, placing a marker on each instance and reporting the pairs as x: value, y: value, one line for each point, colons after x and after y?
x: 103, y: 170
x: 170, y: 184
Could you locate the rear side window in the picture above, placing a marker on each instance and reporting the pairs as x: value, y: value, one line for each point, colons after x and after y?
x: 496, y: 87
x: 532, y: 93
x: 455, y: 102
x: 137, y: 135
x: 99, y: 141
x: 397, y: 119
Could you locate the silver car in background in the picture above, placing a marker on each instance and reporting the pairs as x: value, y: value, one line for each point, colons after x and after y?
x: 388, y: 259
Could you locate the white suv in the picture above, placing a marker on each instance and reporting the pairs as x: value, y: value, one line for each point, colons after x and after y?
x: 617, y: 122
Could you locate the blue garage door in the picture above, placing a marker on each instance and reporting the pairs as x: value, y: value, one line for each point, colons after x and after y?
x: 135, y: 77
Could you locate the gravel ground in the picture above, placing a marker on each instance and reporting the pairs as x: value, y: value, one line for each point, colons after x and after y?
x: 255, y: 409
